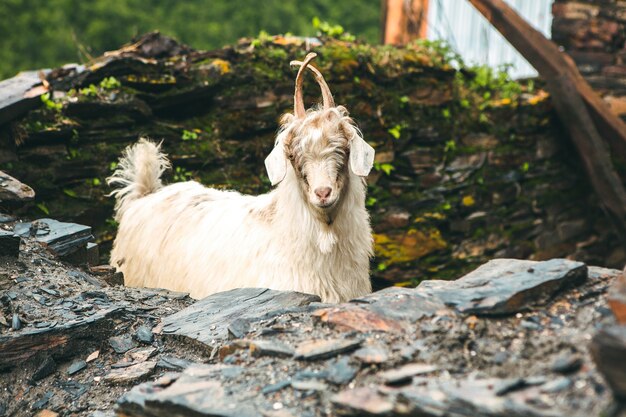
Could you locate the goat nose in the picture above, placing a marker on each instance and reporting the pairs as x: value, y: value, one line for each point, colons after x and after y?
x: 323, y: 192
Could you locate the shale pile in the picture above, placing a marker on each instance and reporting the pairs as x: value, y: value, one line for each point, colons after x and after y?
x: 512, y: 337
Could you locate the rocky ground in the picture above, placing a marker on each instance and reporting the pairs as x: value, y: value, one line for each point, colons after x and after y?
x: 510, y: 339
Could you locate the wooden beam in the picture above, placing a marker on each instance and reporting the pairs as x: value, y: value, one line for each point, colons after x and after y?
x: 404, y: 21
x: 550, y: 62
x: 583, y: 113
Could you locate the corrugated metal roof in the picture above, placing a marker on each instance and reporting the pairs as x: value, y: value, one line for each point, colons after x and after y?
x: 473, y: 37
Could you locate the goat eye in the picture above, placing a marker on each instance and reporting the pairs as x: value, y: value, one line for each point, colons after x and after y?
x: 304, y: 178
x: 290, y: 156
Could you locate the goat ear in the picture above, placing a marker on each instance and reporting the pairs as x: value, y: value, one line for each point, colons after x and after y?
x: 276, y: 164
x: 361, y: 156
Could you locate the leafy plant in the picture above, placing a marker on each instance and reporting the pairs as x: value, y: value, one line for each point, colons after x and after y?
x: 395, y: 131
x: 332, y: 31
x: 189, y: 135
x: 50, y: 104
x: 110, y: 83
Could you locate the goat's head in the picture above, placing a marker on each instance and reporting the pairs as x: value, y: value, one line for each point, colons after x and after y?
x: 322, y: 145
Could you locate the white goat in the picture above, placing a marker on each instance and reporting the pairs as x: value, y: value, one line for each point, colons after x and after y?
x: 310, y: 234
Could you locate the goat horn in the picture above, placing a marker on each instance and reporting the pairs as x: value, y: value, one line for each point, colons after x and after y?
x: 326, y: 94
x: 298, y: 100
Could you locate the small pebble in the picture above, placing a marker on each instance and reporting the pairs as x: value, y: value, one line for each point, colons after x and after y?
x: 144, y: 335
x: 76, y: 366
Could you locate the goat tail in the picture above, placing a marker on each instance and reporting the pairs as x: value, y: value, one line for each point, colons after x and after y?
x: 138, y: 174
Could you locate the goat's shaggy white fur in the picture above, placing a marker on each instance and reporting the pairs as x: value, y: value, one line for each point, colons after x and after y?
x: 186, y: 237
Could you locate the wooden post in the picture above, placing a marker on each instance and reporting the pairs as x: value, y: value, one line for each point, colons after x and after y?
x: 404, y: 21
x: 582, y: 111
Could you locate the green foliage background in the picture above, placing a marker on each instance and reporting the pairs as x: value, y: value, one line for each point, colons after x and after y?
x: 44, y: 34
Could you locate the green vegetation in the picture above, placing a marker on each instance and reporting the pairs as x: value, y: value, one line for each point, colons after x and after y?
x: 39, y: 34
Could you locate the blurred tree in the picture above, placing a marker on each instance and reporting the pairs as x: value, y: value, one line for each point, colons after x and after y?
x: 39, y: 34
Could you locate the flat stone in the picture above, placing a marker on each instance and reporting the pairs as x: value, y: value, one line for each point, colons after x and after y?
x: 556, y: 385
x: 144, y: 335
x: 270, y: 348
x: 405, y: 373
x: 131, y: 373
x: 268, y: 389
x: 140, y: 354
x: 61, y: 238
x: 363, y: 401
x: 173, y: 363
x: 47, y: 367
x: 12, y: 189
x: 209, y: 320
x: 608, y: 349
x: 93, y: 356
x: 121, y: 344
x: 475, y: 397
x: 309, y: 385
x: 340, y: 371
x: 195, y: 392
x: 353, y: 317
x: 506, y: 286
x: 325, y: 348
x: 372, y: 354
x: 9, y: 244
x: 567, y: 364
x: 76, y: 366
x: 401, y: 304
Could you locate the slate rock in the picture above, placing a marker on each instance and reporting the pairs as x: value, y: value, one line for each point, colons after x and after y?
x: 130, y: 374
x: 208, y: 320
x: 353, y: 317
x: 400, y: 304
x: 194, y: 392
x: 12, y: 189
x: 506, y: 286
x: 556, y: 385
x: 475, y: 397
x: 269, y: 389
x: 405, y: 373
x: 340, y: 371
x: 364, y: 401
x: 270, y: 348
x: 121, y: 344
x: 309, y: 385
x: 372, y: 354
x: 41, y: 403
x: 608, y: 349
x: 567, y: 364
x: 9, y: 244
x: 45, y: 368
x: 144, y: 335
x: 325, y: 348
x: 173, y: 363
x: 16, y: 323
x: 61, y: 238
x: 76, y: 366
